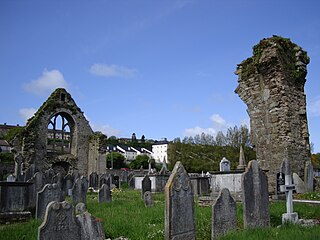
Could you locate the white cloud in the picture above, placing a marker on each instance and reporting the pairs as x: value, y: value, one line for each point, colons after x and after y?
x: 105, y: 70
x: 218, y: 124
x: 198, y: 130
x: 314, y: 107
x: 46, y: 83
x: 105, y: 129
x: 27, y: 113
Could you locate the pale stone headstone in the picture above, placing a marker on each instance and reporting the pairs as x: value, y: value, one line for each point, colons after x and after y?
x: 146, y: 185
x: 224, y: 215
x: 49, y: 193
x: 179, y: 206
x: 300, y: 185
x: 60, y: 223
x: 91, y: 228
x: 224, y: 165
x: 288, y: 188
x: 104, y: 194
x: 79, y: 190
x: 11, y: 178
x: 38, y: 184
x: 255, y: 197
x: 148, y: 200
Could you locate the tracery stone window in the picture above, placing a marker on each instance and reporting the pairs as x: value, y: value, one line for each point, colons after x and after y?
x: 59, y: 135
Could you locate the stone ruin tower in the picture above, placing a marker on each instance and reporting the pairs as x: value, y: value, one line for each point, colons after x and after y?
x: 58, y: 136
x: 271, y: 84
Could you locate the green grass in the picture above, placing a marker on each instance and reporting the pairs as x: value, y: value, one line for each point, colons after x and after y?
x: 127, y: 216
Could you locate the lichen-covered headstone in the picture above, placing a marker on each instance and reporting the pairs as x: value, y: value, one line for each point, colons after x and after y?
x: 146, y: 185
x: 38, y: 183
x: 224, y: 217
x: 148, y: 200
x: 255, y: 197
x: 48, y: 175
x: 103, y: 180
x: 60, y: 223
x: 104, y: 194
x: 49, y: 193
x: 68, y: 183
x: 79, y: 190
x: 179, y: 206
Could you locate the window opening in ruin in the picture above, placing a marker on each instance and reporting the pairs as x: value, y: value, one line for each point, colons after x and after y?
x: 63, y: 97
x: 59, y: 135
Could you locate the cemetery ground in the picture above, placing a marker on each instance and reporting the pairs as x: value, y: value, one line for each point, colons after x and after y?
x: 127, y: 216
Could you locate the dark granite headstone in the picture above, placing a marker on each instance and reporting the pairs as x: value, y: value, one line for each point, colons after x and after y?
x: 60, y: 223
x: 104, y: 194
x: 146, y: 185
x: 179, y: 206
x: 255, y: 197
x: 49, y: 193
x: 94, y: 180
x: 79, y: 190
x: 224, y: 215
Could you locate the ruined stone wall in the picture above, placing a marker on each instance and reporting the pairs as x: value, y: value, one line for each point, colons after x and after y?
x: 35, y: 133
x: 97, y: 157
x: 271, y: 83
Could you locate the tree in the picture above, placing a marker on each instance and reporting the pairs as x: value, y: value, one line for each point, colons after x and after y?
x: 115, y: 159
x: 141, y: 160
x: 113, y: 140
x: 143, y: 139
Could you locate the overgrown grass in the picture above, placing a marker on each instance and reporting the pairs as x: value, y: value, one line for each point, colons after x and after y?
x: 127, y: 216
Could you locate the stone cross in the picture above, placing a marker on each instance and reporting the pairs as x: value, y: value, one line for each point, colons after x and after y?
x: 60, y: 223
x: 255, y: 197
x: 288, y: 188
x: 49, y: 193
x: 224, y: 218
x: 104, y: 194
x: 179, y: 206
x: 146, y: 185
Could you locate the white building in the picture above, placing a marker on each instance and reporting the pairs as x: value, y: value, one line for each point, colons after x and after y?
x: 160, y: 152
x: 127, y: 152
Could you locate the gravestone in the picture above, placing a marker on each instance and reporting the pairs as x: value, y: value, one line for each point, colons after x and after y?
x: 298, y: 182
x: 49, y: 193
x: 48, y: 175
x: 103, y: 179
x: 68, y: 183
x: 79, y: 190
x: 280, y: 181
x: 132, y: 183
x: 104, y: 194
x: 255, y: 197
x: 94, y: 180
x: 224, y: 215
x: 60, y: 223
x: 288, y: 188
x: 37, y: 184
x: 91, y: 228
x: 146, y: 185
x: 58, y: 179
x: 308, y: 176
x: 148, y: 200
x: 179, y: 206
x: 116, y: 181
x: 224, y: 165
x: 11, y: 178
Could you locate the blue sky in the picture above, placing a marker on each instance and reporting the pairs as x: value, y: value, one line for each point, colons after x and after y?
x: 158, y: 68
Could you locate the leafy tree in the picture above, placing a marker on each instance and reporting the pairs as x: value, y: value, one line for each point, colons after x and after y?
x: 113, y: 140
x: 143, y: 139
x: 140, y: 160
x: 117, y: 159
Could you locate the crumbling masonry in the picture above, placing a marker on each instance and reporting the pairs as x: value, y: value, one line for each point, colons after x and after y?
x: 271, y: 83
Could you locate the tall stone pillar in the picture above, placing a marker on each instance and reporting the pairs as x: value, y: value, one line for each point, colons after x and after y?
x: 271, y: 83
